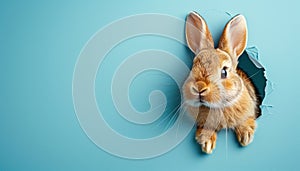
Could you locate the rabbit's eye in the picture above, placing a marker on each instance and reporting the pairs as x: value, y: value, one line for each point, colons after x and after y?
x: 224, y: 72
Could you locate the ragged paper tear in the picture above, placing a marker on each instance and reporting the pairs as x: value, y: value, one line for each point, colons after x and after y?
x: 249, y: 63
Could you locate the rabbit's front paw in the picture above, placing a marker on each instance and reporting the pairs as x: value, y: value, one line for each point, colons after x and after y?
x: 245, y: 133
x: 207, y: 139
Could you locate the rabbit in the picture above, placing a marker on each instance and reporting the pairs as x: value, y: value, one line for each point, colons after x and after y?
x: 216, y: 92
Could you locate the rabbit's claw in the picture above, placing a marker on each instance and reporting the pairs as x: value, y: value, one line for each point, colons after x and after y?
x: 245, y: 133
x: 207, y: 140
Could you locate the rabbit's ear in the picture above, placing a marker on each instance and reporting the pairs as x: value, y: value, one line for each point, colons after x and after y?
x: 234, y: 37
x: 197, y: 34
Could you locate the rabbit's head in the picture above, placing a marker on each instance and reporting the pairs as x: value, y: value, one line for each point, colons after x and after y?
x: 213, y: 80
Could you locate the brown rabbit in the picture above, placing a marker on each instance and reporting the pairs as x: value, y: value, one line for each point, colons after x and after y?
x: 218, y: 94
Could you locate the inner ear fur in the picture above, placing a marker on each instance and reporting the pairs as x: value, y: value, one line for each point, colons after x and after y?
x: 234, y: 37
x: 198, y: 36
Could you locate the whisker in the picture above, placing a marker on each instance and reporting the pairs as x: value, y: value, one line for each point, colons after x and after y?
x: 253, y: 75
x: 175, y: 116
x: 226, y: 142
x: 158, y: 106
x: 180, y: 117
x: 171, y: 112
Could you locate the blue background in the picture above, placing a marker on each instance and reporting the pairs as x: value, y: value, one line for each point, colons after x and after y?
x: 39, y: 45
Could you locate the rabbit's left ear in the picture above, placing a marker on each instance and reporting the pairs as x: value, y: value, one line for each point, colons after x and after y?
x: 234, y: 37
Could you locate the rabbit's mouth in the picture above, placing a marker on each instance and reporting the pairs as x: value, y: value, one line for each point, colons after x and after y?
x: 211, y: 105
x: 202, y: 102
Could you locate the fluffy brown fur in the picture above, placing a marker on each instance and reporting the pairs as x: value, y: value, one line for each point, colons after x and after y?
x: 217, y: 101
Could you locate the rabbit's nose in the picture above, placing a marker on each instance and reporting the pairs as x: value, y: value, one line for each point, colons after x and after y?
x: 202, y: 91
x: 202, y: 86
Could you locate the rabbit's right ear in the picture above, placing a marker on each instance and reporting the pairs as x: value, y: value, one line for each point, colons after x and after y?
x: 234, y: 37
x: 198, y: 36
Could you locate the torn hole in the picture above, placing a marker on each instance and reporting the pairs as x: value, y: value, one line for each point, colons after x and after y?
x: 249, y: 63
